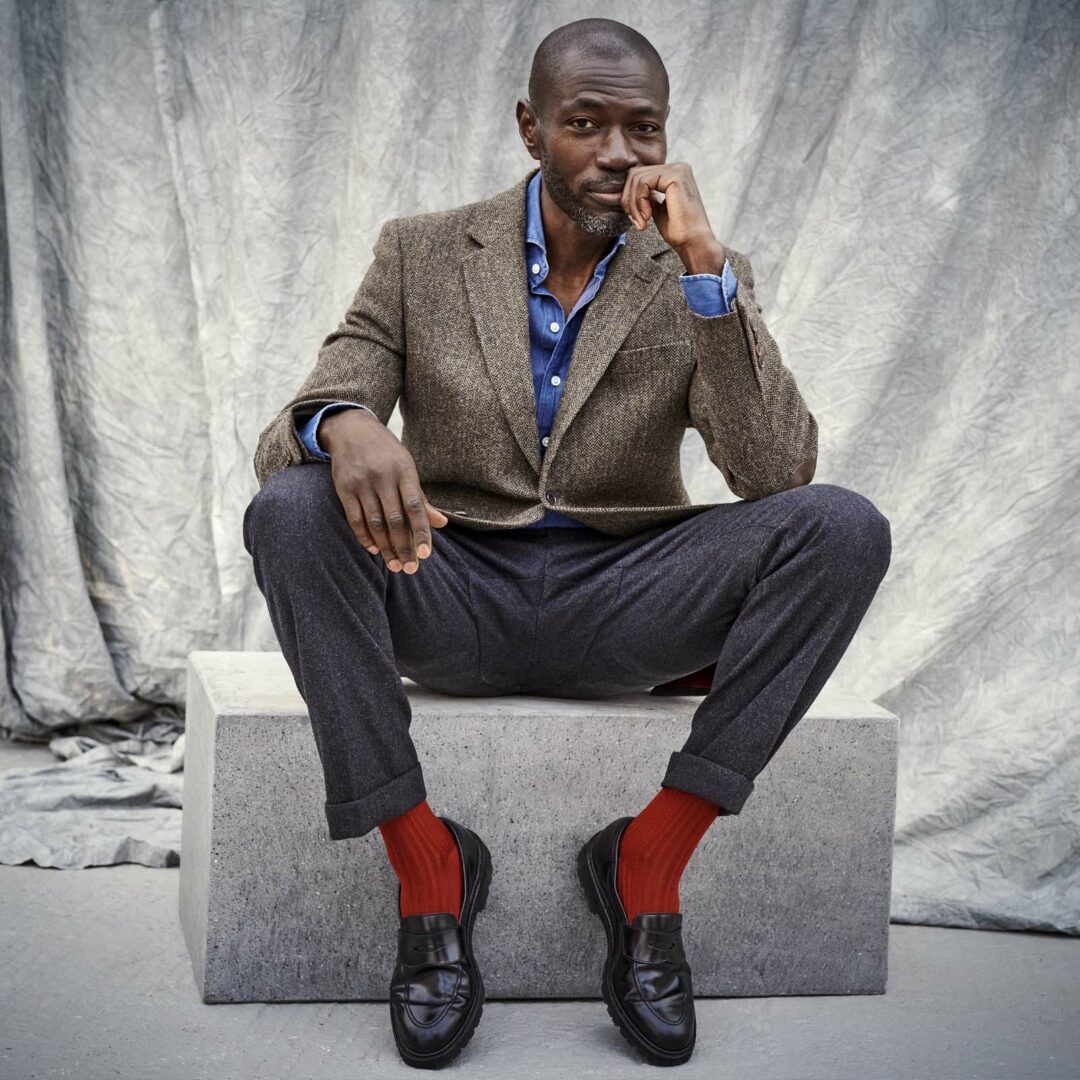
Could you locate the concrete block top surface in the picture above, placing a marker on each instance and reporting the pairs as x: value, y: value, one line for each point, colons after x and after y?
x: 260, y: 683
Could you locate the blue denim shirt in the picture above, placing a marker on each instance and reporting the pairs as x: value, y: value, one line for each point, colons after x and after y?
x: 552, y: 337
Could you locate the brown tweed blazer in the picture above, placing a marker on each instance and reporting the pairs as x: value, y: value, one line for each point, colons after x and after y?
x: 440, y: 321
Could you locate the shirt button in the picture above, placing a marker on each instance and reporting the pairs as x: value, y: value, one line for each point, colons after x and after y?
x: 544, y: 440
x: 536, y: 268
x: 555, y: 380
x: 554, y: 327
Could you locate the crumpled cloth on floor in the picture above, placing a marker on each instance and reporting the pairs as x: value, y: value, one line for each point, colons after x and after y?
x: 115, y: 797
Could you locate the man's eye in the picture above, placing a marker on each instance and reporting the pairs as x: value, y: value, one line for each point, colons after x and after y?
x: 580, y: 121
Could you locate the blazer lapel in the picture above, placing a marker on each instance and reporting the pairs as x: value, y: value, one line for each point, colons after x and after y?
x: 631, y: 281
x: 498, y: 291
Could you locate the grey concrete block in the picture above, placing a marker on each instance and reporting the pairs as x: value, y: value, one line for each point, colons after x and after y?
x: 791, y: 896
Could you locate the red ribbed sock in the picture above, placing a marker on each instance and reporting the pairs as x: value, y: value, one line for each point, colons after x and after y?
x: 655, y: 848
x: 425, y: 857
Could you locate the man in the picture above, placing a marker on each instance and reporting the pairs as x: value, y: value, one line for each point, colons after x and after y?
x: 549, y: 346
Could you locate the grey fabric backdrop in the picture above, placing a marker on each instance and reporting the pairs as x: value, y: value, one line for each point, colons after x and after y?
x: 190, y: 196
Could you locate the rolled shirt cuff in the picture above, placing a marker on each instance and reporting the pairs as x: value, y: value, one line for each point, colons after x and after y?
x: 710, y: 295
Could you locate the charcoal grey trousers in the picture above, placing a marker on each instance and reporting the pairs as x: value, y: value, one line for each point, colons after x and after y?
x: 773, y: 590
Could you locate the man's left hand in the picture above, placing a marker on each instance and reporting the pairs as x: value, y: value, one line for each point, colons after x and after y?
x: 680, y: 216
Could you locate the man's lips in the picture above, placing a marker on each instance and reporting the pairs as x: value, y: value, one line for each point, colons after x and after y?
x: 607, y: 198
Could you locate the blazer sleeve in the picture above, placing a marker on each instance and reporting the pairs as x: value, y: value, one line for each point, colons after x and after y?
x: 361, y: 361
x: 744, y: 402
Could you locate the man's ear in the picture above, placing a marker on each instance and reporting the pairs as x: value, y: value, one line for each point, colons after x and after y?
x: 527, y: 127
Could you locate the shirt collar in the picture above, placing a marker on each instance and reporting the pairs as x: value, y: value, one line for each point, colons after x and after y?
x: 534, y: 231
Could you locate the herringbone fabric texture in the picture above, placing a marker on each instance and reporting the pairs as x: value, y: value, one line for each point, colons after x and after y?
x: 440, y: 321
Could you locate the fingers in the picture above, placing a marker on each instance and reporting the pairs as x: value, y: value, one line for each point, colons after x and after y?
x: 629, y: 200
x: 394, y: 521
x: 377, y: 529
x: 401, y: 551
x: 401, y: 523
x: 645, y: 209
x: 437, y: 519
x: 434, y: 513
x: 354, y: 513
x: 636, y: 202
x: 412, y: 500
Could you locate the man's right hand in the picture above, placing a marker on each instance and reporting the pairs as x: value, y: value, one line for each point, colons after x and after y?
x: 377, y: 483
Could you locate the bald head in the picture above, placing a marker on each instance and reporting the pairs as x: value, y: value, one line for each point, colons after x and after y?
x: 601, y: 39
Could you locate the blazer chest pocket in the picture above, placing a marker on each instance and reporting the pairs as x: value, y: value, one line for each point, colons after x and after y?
x: 659, y: 364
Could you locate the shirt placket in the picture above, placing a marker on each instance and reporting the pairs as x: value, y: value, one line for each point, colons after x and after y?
x: 557, y: 334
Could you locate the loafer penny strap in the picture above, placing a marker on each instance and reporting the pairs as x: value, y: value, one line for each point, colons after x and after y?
x: 651, y: 946
x: 442, y: 945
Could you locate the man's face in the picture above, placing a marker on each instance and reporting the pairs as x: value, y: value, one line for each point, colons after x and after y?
x: 604, y: 118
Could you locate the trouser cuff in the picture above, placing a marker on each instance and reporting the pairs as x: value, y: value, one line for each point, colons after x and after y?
x: 356, y: 818
x: 699, y: 776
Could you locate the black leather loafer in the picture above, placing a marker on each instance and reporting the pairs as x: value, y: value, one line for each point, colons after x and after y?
x: 437, y: 992
x: 646, y: 981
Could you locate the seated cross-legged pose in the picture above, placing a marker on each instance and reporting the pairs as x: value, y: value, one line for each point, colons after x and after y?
x: 549, y: 347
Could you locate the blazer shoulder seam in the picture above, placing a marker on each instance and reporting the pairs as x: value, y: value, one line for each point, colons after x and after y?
x: 434, y: 220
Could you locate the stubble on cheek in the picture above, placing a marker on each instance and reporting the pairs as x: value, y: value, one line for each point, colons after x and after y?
x: 575, y: 204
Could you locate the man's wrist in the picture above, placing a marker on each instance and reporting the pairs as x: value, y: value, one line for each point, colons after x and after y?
x: 704, y: 256
x: 333, y: 428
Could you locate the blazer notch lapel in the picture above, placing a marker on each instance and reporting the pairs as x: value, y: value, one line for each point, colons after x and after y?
x: 633, y: 278
x: 498, y: 293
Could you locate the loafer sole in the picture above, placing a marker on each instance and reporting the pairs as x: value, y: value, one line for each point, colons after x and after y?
x: 598, y: 904
x: 475, y: 901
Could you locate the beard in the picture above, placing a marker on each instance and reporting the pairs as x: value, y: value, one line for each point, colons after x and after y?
x: 572, y: 204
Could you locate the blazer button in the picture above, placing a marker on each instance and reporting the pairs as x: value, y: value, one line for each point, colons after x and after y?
x: 553, y: 497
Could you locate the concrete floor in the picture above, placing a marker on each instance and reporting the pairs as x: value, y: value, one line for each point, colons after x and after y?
x: 97, y: 983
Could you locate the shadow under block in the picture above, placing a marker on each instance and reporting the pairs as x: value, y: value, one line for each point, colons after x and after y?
x: 790, y: 896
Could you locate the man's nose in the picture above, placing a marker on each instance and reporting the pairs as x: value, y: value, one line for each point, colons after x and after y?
x: 616, y: 154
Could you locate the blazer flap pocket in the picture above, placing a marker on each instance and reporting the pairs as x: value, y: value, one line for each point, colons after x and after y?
x: 653, y: 360
x: 684, y: 343
x: 675, y: 348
